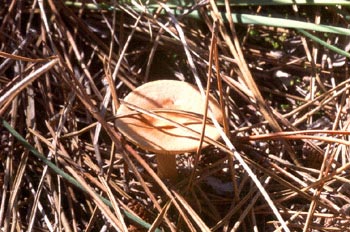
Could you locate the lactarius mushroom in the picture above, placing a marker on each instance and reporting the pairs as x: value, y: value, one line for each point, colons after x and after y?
x: 177, y: 101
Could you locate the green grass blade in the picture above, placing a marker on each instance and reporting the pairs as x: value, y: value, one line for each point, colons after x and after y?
x: 285, y: 2
x: 323, y: 43
x: 66, y: 176
x: 287, y: 23
x: 245, y: 19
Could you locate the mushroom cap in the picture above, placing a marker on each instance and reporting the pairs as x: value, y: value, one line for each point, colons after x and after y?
x: 175, y: 100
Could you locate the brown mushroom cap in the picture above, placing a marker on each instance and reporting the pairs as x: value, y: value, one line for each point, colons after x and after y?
x: 165, y: 97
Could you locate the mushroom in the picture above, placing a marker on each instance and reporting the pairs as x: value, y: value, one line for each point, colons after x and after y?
x: 175, y: 100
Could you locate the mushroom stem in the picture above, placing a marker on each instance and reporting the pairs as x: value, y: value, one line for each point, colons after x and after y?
x: 166, y: 166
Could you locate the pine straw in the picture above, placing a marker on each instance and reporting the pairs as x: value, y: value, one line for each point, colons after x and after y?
x: 65, y: 66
